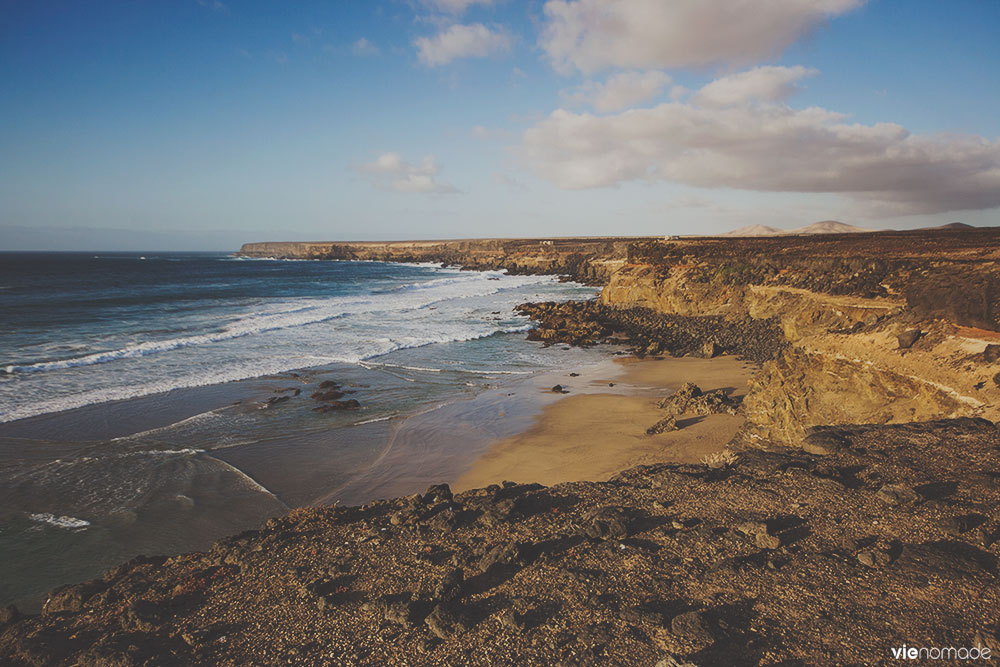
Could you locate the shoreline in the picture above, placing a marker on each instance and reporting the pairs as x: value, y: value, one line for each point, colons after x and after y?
x: 569, y: 440
x: 294, y: 458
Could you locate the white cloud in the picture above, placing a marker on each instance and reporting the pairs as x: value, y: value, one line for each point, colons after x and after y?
x: 592, y: 35
x: 363, y: 47
x: 460, y: 41
x: 621, y: 90
x: 763, y: 84
x: 391, y: 172
x: 455, y: 6
x: 768, y: 148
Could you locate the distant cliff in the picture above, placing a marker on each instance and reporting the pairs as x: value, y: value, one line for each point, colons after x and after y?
x: 588, y: 260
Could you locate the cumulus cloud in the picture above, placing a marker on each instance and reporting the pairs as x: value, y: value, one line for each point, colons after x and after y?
x: 391, y: 172
x: 455, y: 6
x: 762, y: 84
x: 460, y: 41
x: 621, y: 90
x: 769, y: 148
x: 592, y: 35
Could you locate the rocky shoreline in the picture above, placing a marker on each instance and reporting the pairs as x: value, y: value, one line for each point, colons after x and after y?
x: 784, y: 557
x: 856, y: 511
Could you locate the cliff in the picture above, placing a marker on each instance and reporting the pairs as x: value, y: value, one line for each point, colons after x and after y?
x: 842, y: 303
x: 587, y: 260
x: 841, y: 300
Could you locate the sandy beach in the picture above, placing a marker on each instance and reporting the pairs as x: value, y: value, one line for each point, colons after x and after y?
x: 592, y: 436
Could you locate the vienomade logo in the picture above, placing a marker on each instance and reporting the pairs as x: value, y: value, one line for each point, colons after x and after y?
x: 905, y: 652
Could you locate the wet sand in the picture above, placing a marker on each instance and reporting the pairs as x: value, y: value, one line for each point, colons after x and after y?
x: 592, y: 436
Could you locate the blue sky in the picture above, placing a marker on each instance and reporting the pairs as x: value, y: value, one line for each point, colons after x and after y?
x: 205, y: 124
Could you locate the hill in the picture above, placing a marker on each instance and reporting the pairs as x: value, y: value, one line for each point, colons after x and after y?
x: 755, y: 230
x: 829, y: 227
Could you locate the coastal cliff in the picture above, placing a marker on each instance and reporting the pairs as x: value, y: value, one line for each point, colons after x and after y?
x: 841, y: 301
x: 882, y: 328
x: 586, y: 260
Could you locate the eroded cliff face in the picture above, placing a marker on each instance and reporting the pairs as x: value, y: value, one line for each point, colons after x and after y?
x: 842, y: 317
x: 841, y: 301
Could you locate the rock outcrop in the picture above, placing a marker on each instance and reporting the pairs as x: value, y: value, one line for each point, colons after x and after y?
x: 773, y: 558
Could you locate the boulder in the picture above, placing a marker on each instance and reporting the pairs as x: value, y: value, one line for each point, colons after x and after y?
x: 692, y: 626
x: 710, y: 349
x: 72, y: 597
x: 668, y: 423
x: 447, y: 620
x: 823, y: 443
x: 677, y: 401
x: 450, y: 586
x: 609, y: 523
x: 897, y: 494
x: 991, y: 353
x: 908, y: 338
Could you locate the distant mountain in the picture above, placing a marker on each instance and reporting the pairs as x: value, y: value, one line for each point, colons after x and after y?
x: 755, y: 230
x: 824, y: 227
x: 954, y: 225
x: 829, y: 227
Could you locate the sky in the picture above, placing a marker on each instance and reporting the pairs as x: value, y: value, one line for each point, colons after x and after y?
x: 203, y: 124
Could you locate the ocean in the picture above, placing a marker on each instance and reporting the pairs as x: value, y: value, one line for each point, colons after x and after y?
x: 139, y: 394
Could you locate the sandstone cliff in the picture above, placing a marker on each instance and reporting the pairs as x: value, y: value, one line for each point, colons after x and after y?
x: 840, y: 300
x: 842, y: 303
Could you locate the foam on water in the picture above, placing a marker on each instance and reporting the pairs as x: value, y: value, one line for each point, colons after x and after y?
x: 66, y: 522
x: 271, y: 337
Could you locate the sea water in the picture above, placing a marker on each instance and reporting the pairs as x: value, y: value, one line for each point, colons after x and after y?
x: 134, y: 387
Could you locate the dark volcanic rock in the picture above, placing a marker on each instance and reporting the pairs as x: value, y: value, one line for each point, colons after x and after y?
x: 823, y: 442
x: 450, y: 586
x: 329, y: 395
x: 715, y: 567
x: 897, y: 494
x: 447, y: 620
x: 72, y: 597
x: 8, y: 615
x: 649, y: 332
x: 609, y: 523
x: 908, y: 338
x: 692, y: 626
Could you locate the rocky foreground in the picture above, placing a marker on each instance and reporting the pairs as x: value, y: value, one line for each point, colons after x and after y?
x: 867, y: 539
